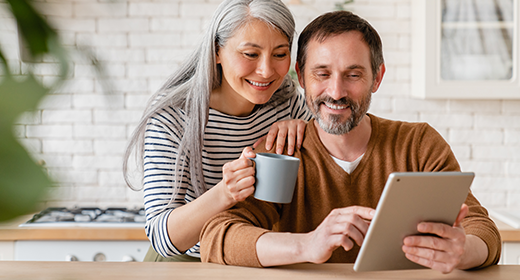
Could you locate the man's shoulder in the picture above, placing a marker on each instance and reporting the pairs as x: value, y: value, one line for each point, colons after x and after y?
x: 398, y: 126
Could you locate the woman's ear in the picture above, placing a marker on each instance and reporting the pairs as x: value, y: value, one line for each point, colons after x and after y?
x: 217, y: 50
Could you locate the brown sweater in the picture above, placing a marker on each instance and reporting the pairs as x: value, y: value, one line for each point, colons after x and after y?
x: 230, y: 237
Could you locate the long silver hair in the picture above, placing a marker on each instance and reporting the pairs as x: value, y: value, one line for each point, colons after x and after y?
x: 190, y: 86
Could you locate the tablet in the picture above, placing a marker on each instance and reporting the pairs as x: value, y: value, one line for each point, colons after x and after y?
x: 408, y: 199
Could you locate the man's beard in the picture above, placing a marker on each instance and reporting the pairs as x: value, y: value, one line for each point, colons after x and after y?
x: 332, y: 123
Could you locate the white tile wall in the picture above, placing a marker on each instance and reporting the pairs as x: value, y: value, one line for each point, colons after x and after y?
x: 80, y: 132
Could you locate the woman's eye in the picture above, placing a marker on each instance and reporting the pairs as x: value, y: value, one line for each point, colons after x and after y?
x: 280, y: 55
x: 251, y: 55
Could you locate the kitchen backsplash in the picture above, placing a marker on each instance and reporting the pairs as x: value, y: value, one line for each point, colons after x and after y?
x: 80, y: 133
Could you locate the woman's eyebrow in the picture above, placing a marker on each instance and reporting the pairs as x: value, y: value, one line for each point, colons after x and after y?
x: 259, y: 47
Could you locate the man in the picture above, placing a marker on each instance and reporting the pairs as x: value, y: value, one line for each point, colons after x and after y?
x: 346, y: 158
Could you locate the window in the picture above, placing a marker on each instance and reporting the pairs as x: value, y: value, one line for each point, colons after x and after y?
x: 465, y: 49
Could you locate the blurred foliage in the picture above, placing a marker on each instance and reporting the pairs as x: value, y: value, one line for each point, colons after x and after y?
x: 23, y: 183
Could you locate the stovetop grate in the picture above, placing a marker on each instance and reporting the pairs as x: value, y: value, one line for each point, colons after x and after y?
x: 88, y: 215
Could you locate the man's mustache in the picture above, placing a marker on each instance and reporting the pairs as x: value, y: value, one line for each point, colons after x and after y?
x: 340, y: 102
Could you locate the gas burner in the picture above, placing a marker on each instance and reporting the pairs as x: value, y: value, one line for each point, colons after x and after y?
x: 88, y: 216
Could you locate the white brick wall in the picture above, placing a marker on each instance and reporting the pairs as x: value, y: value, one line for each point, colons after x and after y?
x: 80, y: 133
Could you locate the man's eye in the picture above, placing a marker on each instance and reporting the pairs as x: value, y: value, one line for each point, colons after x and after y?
x: 251, y: 55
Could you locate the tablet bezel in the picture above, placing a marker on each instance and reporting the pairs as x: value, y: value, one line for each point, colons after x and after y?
x: 407, y: 199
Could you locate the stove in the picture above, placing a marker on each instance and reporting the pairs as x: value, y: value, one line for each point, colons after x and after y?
x: 87, y: 217
x: 84, y: 249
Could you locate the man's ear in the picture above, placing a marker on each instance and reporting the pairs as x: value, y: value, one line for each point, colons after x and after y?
x: 300, y: 75
x: 379, y: 77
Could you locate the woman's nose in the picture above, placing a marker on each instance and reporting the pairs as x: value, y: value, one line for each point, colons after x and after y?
x: 265, y: 67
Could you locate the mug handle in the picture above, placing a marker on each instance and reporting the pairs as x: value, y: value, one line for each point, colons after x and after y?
x: 254, y: 161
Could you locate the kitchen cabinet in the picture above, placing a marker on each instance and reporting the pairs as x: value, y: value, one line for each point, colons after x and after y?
x: 510, y: 243
x: 80, y: 250
x: 6, y: 250
x: 465, y: 49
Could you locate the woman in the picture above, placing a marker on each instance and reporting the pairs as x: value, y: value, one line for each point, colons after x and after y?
x: 227, y: 95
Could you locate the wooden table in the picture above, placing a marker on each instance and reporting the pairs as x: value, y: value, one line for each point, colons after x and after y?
x: 194, y: 271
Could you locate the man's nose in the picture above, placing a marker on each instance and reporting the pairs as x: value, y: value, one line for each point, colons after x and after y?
x: 336, y: 88
x: 265, y: 67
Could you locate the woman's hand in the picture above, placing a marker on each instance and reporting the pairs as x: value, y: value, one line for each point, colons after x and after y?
x: 238, y: 177
x: 292, y: 130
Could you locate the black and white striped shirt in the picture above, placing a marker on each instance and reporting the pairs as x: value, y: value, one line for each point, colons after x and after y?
x: 224, y: 139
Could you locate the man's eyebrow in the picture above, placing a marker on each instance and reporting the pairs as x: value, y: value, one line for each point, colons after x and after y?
x: 351, y: 67
x: 319, y: 67
x: 259, y: 47
x: 356, y: 66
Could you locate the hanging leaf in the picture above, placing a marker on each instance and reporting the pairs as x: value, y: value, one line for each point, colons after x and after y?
x: 22, y: 182
x: 34, y: 29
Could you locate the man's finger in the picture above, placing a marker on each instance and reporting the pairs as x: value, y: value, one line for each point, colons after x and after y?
x: 427, y: 242
x: 440, y: 266
x: 364, y: 212
x: 464, y: 209
x: 440, y: 229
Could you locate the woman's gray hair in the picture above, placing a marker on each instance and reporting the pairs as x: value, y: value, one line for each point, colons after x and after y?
x: 190, y: 86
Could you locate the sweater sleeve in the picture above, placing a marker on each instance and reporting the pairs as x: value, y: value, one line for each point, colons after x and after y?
x: 437, y: 155
x: 478, y: 223
x: 162, y: 135
x: 230, y: 237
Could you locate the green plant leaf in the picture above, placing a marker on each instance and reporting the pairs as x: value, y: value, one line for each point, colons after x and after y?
x: 17, y: 97
x: 33, y: 28
x: 22, y: 183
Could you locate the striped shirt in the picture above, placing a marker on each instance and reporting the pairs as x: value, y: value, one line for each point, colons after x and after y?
x: 224, y: 139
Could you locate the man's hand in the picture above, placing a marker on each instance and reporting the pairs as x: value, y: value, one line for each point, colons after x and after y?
x: 341, y: 228
x: 443, y: 253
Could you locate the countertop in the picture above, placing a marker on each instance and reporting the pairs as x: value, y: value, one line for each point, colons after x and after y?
x: 507, y: 232
x: 191, y: 271
x: 10, y: 231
